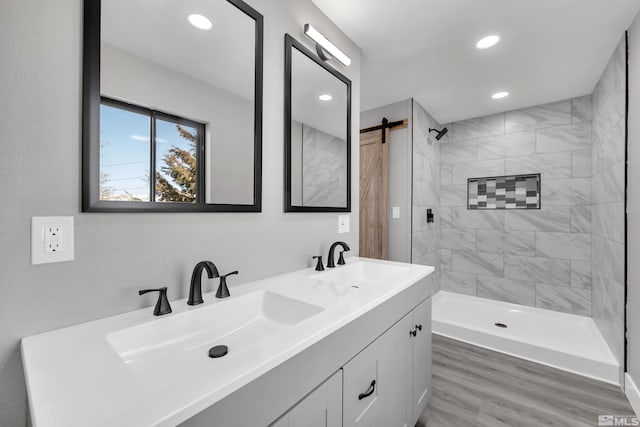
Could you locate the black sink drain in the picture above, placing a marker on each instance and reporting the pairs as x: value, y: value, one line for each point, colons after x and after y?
x: 500, y: 325
x: 218, y: 351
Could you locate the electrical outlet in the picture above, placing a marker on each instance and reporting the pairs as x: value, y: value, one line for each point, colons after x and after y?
x: 395, y: 212
x: 343, y: 223
x: 52, y: 239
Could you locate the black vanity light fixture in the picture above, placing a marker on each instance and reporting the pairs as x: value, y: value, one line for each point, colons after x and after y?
x: 325, y: 49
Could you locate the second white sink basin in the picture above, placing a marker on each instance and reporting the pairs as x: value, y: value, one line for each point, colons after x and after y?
x: 238, y: 322
x: 362, y: 273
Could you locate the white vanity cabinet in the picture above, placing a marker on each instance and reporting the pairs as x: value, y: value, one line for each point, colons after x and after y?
x: 388, y: 383
x: 421, y: 359
x: 320, y: 408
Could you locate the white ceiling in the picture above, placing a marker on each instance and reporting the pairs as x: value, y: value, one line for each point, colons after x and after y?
x: 308, y: 81
x: 158, y: 31
x: 550, y: 50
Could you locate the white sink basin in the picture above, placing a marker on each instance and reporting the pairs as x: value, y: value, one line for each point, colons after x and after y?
x: 362, y: 273
x: 238, y: 323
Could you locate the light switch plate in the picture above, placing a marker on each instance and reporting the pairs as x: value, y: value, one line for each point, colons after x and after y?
x: 343, y: 223
x: 395, y: 212
x: 52, y: 239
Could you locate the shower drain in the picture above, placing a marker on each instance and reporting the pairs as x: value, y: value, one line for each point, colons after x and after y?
x: 500, y: 325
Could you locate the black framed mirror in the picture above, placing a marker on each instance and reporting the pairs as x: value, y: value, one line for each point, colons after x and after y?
x: 172, y: 106
x: 317, y: 133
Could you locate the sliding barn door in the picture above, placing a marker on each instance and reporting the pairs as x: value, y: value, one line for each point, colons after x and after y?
x: 374, y: 194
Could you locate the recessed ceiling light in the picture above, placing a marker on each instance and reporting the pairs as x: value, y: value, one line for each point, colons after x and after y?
x: 201, y: 22
x: 500, y: 95
x: 487, y: 42
x: 325, y: 97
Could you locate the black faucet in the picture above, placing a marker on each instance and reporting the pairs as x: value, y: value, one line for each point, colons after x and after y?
x: 162, y: 306
x: 331, y: 261
x: 195, y: 290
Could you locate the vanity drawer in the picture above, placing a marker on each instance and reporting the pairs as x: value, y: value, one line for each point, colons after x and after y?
x: 374, y: 382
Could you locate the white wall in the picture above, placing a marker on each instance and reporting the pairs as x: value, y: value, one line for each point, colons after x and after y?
x: 117, y: 254
x: 399, y: 229
x: 633, y: 207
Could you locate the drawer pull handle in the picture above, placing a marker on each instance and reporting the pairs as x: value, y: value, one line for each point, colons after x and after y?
x: 369, y: 392
x: 419, y: 327
x: 413, y: 333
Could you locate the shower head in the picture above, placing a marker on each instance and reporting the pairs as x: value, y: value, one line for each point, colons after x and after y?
x: 439, y: 133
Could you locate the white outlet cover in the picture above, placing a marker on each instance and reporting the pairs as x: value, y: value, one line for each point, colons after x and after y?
x: 343, y: 223
x: 395, y: 212
x: 47, y: 246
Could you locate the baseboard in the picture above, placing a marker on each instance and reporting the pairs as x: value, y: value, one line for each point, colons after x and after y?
x: 633, y: 393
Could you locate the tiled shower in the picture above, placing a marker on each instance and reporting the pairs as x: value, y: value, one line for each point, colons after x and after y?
x: 566, y: 256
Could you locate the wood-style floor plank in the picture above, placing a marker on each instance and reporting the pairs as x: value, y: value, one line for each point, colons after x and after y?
x: 473, y: 386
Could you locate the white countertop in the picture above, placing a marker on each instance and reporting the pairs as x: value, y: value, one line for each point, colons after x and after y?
x: 75, y: 377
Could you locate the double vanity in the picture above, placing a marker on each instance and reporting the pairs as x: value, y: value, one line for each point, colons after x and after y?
x: 347, y: 346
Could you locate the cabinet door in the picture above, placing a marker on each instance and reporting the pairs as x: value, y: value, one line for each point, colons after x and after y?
x: 321, y: 408
x: 375, y: 392
x: 421, y: 357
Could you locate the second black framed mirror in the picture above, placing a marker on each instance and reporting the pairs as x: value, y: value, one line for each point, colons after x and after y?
x: 317, y: 133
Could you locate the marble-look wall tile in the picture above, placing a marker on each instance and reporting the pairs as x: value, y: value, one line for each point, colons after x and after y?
x: 608, y: 221
x: 423, y: 141
x: 459, y: 151
x: 608, y: 259
x: 549, y: 166
x: 478, y: 219
x: 573, y: 191
x: 581, y: 109
x: 425, y: 241
x: 477, y: 262
x: 506, y: 242
x: 506, y: 145
x: 564, y: 138
x: 608, y: 306
x: 563, y: 298
x: 541, y: 116
x: 446, y: 217
x: 479, y: 127
x: 608, y: 185
x: 507, y: 290
x: 446, y: 174
x: 463, y: 171
x: 445, y: 259
x: 581, y: 274
x: 575, y: 246
x: 453, y: 195
x: 581, y: 164
x: 556, y: 218
x: 608, y: 146
x: 581, y: 219
x: 455, y: 238
x: 461, y: 283
x: 543, y: 270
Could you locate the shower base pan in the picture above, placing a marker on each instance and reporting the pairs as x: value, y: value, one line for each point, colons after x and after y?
x: 564, y: 341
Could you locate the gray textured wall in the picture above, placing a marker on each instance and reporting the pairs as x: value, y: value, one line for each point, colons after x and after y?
x: 425, y: 237
x: 608, y: 188
x: 633, y: 231
x: 116, y: 254
x: 539, y: 258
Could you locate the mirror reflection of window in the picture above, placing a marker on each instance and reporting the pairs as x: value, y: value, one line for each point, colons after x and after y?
x: 130, y: 156
x: 124, y: 155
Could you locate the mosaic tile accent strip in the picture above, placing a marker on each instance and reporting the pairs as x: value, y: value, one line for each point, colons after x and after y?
x: 504, y: 192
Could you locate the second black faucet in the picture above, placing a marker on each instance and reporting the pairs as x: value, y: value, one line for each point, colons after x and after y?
x: 330, y: 260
